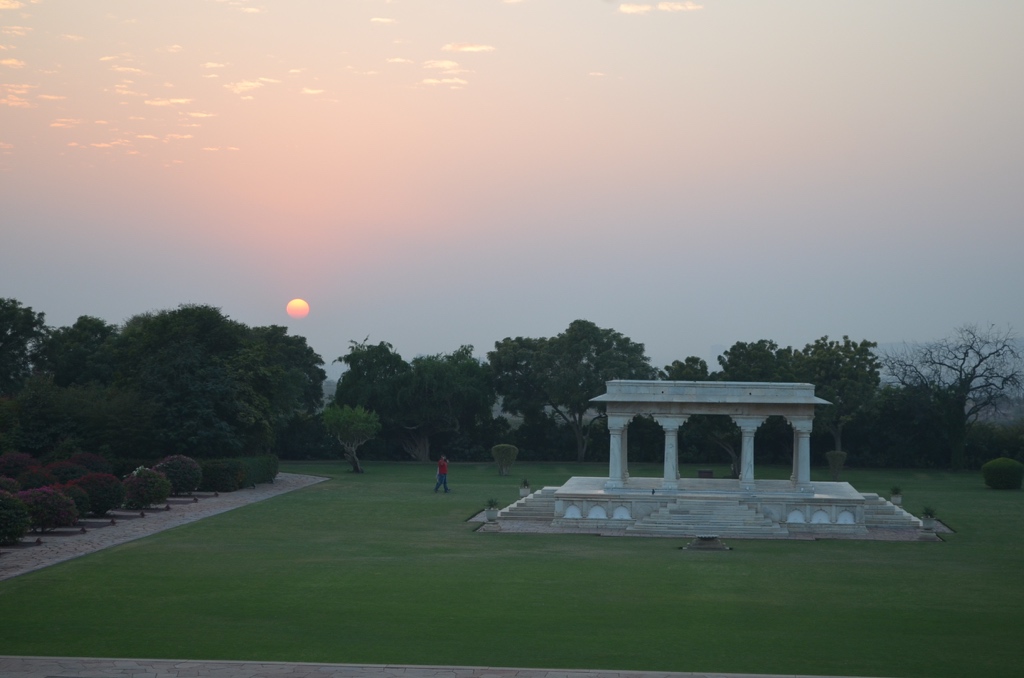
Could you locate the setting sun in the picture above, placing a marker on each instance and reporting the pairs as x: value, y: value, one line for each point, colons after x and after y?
x: 298, y: 308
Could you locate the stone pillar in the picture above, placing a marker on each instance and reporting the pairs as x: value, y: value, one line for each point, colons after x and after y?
x: 671, y: 423
x: 616, y: 471
x: 748, y: 426
x: 796, y: 445
x: 802, y: 453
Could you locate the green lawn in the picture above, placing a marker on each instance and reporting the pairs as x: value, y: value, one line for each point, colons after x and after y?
x: 379, y: 569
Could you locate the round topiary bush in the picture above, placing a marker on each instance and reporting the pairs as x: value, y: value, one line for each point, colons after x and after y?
x: 1003, y: 474
x: 9, y: 485
x: 145, y: 487
x: 14, y: 518
x: 13, y: 464
x: 185, y: 473
x: 79, y: 496
x: 49, y: 508
x: 65, y: 471
x: 105, y: 491
x: 93, y: 462
x: 37, y: 477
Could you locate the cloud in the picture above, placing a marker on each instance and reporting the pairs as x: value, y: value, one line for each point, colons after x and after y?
x: 51, y: 97
x: 176, y: 137
x: 213, y: 64
x: 10, y: 4
x: 19, y: 31
x: 166, y: 102
x: 174, y: 49
x: 244, y: 86
x: 126, y: 69
x: 146, y: 136
x: 73, y: 38
x: 400, y: 60
x: 382, y: 20
x: 12, y: 63
x: 679, y: 6
x: 635, y: 9
x: 66, y: 122
x: 466, y: 47
x: 306, y: 90
x: 596, y: 74
x: 455, y: 82
x: 271, y: 80
x: 15, y: 101
x: 200, y: 114
x: 444, y: 65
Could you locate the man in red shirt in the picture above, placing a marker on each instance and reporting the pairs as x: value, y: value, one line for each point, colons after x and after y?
x: 442, y: 474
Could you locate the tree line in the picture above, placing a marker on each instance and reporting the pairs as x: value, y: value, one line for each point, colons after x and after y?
x: 192, y: 381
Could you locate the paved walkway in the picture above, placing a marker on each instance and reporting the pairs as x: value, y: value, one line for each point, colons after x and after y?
x: 76, y: 667
x: 124, y: 526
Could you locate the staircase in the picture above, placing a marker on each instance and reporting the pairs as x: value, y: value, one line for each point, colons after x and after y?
x: 539, y: 505
x: 879, y: 513
x: 720, y: 517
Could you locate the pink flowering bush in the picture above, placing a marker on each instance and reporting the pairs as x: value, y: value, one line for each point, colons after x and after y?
x: 14, y: 518
x: 144, y: 487
x: 79, y: 496
x: 49, y: 508
x: 13, y: 464
x: 9, y: 485
x: 36, y: 477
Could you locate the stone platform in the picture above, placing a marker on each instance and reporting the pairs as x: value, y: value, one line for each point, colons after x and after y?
x: 771, y: 509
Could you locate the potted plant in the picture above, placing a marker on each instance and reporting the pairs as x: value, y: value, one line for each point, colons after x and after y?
x: 524, y: 488
x: 492, y: 509
x: 896, y: 495
x: 928, y: 518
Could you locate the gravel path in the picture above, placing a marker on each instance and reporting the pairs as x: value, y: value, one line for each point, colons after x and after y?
x: 65, y: 544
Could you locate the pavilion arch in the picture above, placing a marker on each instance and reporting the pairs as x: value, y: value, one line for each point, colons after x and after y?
x: 671, y: 403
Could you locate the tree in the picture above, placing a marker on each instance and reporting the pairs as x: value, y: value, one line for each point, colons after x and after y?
x: 844, y: 373
x: 21, y: 331
x: 561, y: 374
x: 416, y: 401
x: 968, y: 375
x: 691, y: 368
x: 78, y: 354
x: 352, y: 426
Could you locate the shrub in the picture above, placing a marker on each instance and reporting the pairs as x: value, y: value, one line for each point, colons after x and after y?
x: 185, y: 473
x: 13, y: 464
x: 1003, y: 474
x: 65, y: 471
x: 37, y: 477
x: 14, y: 518
x: 79, y: 496
x: 93, y: 462
x: 836, y: 461
x: 105, y: 491
x: 262, y: 469
x: 9, y: 485
x: 505, y: 455
x: 145, y: 487
x: 222, y: 475
x: 48, y: 508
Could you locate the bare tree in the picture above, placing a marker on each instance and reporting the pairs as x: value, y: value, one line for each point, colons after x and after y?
x: 971, y: 373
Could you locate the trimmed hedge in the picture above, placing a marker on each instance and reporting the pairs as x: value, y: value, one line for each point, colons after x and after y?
x: 1003, y: 474
x: 145, y: 487
x: 185, y: 473
x: 49, y: 508
x: 79, y: 496
x: 14, y: 518
x: 228, y: 475
x: 105, y: 492
x: 93, y: 462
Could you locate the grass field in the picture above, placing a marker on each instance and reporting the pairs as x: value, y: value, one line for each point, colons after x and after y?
x: 378, y: 569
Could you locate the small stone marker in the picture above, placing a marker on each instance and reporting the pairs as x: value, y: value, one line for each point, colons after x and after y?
x: 706, y: 542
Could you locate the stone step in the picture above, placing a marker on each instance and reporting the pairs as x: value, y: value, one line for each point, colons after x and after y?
x: 702, y: 517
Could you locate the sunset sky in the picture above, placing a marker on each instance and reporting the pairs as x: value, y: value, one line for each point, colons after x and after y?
x: 440, y: 172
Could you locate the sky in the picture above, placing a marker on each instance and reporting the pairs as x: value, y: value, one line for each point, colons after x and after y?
x: 434, y: 173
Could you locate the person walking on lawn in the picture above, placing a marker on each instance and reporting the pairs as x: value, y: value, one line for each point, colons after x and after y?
x: 442, y: 474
